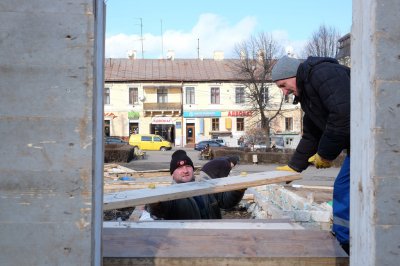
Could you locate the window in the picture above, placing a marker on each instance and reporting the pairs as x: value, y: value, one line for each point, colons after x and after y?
x: 189, y: 95
x: 133, y: 128
x: 240, y: 124
x: 157, y: 139
x: 288, y: 123
x: 146, y: 138
x: 107, y: 125
x: 133, y: 95
x: 162, y: 95
x: 240, y: 95
x: 264, y: 95
x: 287, y: 98
x: 214, y: 95
x: 215, y: 124
x: 106, y: 95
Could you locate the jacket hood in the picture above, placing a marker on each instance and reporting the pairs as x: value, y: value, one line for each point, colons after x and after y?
x: 305, y: 68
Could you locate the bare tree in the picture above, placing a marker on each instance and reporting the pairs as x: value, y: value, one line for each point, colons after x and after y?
x: 256, y: 58
x: 324, y: 42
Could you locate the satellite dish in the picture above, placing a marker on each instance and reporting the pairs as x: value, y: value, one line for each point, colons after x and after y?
x: 142, y: 98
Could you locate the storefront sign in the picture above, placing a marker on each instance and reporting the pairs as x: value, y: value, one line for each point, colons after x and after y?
x: 202, y: 114
x: 112, y: 115
x: 133, y: 115
x: 240, y: 113
x: 161, y: 120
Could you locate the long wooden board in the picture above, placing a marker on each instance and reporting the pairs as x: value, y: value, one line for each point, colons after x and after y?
x: 177, y: 191
x: 238, y: 224
x: 244, y: 247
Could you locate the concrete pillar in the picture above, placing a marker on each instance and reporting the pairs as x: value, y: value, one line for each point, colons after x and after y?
x: 48, y: 192
x: 375, y: 133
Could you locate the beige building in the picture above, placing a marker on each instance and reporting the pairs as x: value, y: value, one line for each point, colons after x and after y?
x: 185, y: 101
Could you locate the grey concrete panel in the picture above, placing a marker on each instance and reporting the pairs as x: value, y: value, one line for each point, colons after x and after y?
x: 57, y: 96
x: 43, y: 206
x: 44, y: 243
x: 42, y: 6
x: 46, y: 124
x: 375, y: 50
x: 388, y: 241
x: 388, y: 202
x: 70, y: 184
x: 387, y: 129
x: 52, y: 77
x: 37, y: 143
x: 388, y: 37
x: 389, y: 62
x: 66, y: 39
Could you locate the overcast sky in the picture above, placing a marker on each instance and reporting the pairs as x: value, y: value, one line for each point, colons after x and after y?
x: 201, y: 27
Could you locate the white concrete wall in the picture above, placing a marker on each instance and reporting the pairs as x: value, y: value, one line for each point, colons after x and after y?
x: 375, y: 131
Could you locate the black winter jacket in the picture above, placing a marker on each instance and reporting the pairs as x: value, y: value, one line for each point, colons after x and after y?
x: 200, y: 207
x: 216, y: 168
x: 324, y: 94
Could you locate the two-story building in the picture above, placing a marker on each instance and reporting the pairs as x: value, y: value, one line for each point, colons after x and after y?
x: 183, y: 100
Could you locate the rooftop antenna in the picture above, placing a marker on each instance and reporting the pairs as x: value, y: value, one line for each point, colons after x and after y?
x: 162, y: 42
x: 141, y: 35
x: 198, y: 48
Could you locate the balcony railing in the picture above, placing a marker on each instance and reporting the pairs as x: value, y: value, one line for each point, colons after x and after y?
x: 162, y: 106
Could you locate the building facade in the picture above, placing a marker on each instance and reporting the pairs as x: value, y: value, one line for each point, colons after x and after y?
x: 184, y: 100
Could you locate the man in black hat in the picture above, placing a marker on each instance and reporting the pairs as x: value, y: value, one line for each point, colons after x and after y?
x: 198, y: 207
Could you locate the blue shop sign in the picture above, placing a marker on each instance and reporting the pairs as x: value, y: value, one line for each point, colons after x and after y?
x: 202, y: 114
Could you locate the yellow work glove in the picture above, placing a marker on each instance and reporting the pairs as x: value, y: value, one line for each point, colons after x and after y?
x: 285, y: 168
x: 319, y: 162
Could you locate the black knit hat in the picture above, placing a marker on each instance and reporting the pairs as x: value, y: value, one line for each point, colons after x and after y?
x: 179, y: 158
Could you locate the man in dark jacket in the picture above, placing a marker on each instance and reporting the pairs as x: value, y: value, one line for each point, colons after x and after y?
x: 198, y: 207
x: 322, y: 86
x: 220, y: 167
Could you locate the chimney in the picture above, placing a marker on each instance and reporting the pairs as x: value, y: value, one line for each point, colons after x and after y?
x: 261, y: 56
x: 171, y: 55
x: 218, y: 55
x: 243, y: 55
x: 132, y: 54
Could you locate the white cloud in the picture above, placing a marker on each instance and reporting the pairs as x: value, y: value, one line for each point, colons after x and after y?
x: 282, y: 37
x: 213, y: 32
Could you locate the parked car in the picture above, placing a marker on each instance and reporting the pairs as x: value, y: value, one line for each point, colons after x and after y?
x: 221, y: 141
x: 202, y: 144
x: 115, y: 140
x: 149, y: 142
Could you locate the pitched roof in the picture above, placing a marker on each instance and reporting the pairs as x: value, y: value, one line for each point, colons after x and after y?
x: 177, y: 70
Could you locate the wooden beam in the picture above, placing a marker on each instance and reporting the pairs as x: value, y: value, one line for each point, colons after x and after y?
x: 178, y: 191
x: 238, y: 224
x: 169, y: 246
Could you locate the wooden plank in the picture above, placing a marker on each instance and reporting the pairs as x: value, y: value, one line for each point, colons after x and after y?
x: 258, y: 224
x: 177, y: 191
x: 220, y: 247
x: 118, y: 186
